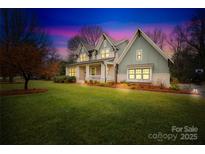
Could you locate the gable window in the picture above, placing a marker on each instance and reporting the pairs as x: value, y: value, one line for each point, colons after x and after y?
x: 139, y: 74
x: 105, y: 53
x: 71, y: 72
x: 83, y: 57
x: 105, y: 44
x: 139, y: 55
x: 93, y: 71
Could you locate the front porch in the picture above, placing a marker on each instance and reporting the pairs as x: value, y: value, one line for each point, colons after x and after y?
x: 102, y: 72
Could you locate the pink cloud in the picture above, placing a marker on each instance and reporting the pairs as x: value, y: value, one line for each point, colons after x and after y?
x: 120, y: 34
x: 63, y: 52
x: 166, y: 28
x: 63, y: 32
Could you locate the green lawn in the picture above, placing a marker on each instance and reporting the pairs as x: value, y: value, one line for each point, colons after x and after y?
x: 75, y: 114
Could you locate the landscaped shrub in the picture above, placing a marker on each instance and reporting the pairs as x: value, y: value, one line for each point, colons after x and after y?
x: 110, y: 83
x: 59, y: 79
x: 91, y: 82
x: 162, y: 86
x: 70, y: 79
x: 102, y: 84
x: 174, y: 86
x: 63, y: 79
x: 174, y: 80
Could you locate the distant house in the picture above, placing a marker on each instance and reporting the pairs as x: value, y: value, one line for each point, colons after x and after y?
x: 137, y: 60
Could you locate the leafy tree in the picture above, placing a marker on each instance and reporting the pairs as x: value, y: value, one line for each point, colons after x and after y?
x: 25, y: 46
x: 62, y: 68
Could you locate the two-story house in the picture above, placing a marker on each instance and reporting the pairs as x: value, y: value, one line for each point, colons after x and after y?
x: 137, y: 60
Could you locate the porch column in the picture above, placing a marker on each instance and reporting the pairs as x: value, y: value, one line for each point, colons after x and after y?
x: 103, y: 72
x: 87, y: 72
x: 77, y: 73
x: 66, y: 70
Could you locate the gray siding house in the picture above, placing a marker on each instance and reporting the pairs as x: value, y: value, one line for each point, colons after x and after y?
x: 139, y: 60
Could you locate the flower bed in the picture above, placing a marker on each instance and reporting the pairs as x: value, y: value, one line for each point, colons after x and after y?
x: 21, y: 91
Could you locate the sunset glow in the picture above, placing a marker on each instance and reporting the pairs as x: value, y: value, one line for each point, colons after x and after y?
x: 62, y: 24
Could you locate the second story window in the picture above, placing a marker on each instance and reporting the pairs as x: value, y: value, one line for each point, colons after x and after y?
x: 83, y: 57
x: 105, y: 44
x: 105, y: 53
x: 139, y: 55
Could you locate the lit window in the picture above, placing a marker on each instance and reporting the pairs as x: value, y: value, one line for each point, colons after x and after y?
x: 71, y: 72
x: 131, y: 74
x: 105, y: 53
x: 83, y: 57
x: 146, y: 74
x: 93, y: 71
x: 139, y: 74
x: 139, y: 54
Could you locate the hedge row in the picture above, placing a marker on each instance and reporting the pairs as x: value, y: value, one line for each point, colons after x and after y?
x: 64, y: 79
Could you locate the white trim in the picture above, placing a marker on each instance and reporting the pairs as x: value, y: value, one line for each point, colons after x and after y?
x: 137, y: 34
x: 147, y: 81
x: 82, y: 46
x: 120, y: 42
x: 101, y: 41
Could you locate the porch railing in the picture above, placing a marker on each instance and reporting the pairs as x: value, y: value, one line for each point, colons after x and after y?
x: 94, y: 77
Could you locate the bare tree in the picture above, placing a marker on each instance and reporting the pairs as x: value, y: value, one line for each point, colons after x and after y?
x: 74, y: 42
x: 158, y: 37
x: 91, y: 34
x: 176, y: 39
x: 88, y: 35
x: 183, y: 57
x: 195, y: 36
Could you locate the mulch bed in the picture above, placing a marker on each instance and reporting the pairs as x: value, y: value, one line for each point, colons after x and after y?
x: 154, y: 88
x: 21, y: 92
x: 16, y: 82
x: 147, y: 87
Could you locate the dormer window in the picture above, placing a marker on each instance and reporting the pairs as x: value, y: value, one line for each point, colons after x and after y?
x: 83, y: 57
x: 105, y: 44
x: 105, y: 53
x: 139, y: 55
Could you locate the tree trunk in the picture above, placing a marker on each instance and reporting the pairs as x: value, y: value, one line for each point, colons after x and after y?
x: 11, y: 79
x: 4, y: 79
x: 26, y: 84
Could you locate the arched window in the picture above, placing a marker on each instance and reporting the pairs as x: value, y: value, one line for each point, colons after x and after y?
x: 105, y: 51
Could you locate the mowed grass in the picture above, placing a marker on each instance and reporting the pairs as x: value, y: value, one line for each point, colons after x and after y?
x: 75, y: 114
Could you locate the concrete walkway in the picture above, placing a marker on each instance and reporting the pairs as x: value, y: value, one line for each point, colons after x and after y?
x: 200, y: 88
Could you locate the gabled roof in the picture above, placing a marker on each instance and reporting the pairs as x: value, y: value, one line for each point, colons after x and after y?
x: 120, y: 42
x: 87, y: 47
x: 137, y: 34
x: 112, y: 42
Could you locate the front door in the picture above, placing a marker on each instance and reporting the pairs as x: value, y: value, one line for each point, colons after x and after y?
x: 82, y: 73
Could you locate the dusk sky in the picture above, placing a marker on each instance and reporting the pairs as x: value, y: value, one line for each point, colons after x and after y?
x: 63, y: 24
